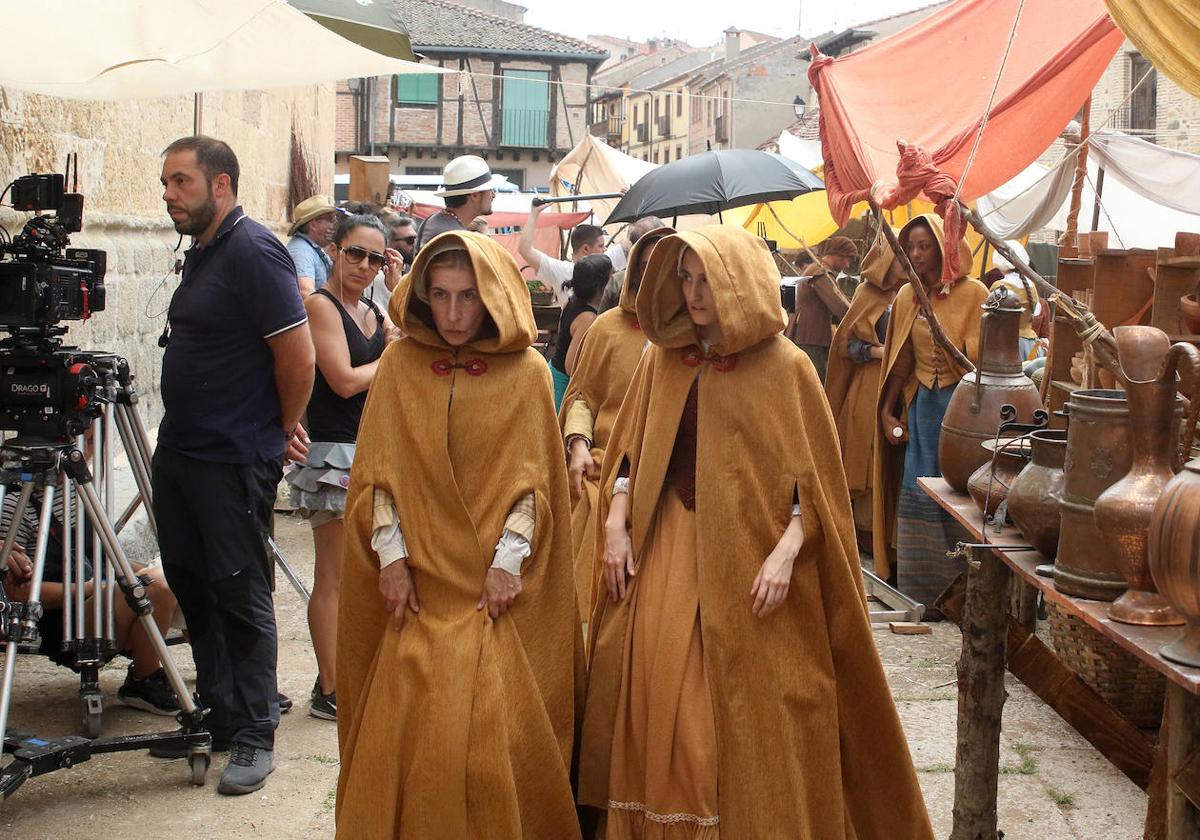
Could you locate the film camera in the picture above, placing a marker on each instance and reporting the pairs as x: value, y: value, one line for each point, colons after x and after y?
x: 47, y: 390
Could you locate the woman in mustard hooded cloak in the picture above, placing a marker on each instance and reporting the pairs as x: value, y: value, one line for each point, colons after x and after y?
x: 457, y: 686
x: 734, y: 686
x: 911, y: 532
x: 852, y: 381
x: 611, y: 350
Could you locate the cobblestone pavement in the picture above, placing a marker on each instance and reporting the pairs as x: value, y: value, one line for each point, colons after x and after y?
x: 1053, y: 784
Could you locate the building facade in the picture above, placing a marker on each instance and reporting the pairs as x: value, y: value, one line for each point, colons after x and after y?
x: 518, y: 96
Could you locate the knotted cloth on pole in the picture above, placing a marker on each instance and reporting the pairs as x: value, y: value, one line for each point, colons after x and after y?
x: 929, y: 86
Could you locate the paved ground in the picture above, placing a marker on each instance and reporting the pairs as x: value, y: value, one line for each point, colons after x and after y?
x: 1053, y: 785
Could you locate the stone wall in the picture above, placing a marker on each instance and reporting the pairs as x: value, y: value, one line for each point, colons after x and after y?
x: 120, y: 146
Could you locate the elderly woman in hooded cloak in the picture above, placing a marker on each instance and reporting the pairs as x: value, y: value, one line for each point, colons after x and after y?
x: 458, y: 638
x: 734, y: 687
x: 610, y: 352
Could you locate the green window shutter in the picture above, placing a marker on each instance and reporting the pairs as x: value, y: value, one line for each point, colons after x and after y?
x: 417, y: 89
x: 525, y: 108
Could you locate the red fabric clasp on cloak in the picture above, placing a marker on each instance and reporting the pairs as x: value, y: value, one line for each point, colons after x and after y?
x: 473, y: 367
x: 694, y: 357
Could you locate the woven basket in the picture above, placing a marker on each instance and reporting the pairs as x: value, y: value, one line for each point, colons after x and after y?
x: 1132, y: 688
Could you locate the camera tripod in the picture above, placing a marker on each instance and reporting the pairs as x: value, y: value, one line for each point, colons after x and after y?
x: 59, y: 467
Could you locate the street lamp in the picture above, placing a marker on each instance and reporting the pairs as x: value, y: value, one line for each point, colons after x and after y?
x: 799, y: 106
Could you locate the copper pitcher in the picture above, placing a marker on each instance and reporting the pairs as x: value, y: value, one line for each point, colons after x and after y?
x: 1175, y: 558
x: 1123, y: 511
x: 1098, y: 453
x: 974, y: 410
x: 1035, y: 497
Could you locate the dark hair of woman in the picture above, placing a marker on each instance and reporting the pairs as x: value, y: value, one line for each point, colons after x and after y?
x: 590, y: 276
x: 349, y: 223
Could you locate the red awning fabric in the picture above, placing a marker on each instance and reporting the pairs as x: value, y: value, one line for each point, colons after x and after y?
x: 929, y: 86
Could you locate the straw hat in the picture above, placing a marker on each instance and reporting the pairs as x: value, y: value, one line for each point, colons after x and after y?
x: 309, y: 209
x: 468, y: 174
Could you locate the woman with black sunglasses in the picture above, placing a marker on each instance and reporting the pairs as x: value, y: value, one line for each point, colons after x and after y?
x: 349, y: 333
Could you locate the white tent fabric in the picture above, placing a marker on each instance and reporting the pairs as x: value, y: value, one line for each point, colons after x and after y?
x: 598, y: 168
x: 137, y: 49
x: 1149, y: 193
x: 807, y: 153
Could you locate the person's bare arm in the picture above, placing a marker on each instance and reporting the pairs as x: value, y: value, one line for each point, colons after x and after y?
x: 332, y: 353
x: 525, y: 247
x: 578, y: 328
x: 295, y: 360
x: 307, y: 286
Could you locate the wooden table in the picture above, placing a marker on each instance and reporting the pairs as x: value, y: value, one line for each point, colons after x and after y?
x: 997, y: 623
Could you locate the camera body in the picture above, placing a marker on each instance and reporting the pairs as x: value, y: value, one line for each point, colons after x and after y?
x: 42, y: 281
x: 48, y: 392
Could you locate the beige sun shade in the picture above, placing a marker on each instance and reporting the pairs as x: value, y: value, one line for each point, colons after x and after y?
x: 137, y: 49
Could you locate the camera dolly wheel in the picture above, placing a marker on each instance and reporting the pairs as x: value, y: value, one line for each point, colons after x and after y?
x: 199, y: 762
x: 93, y: 714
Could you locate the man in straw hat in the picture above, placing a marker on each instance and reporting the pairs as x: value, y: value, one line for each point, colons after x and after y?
x: 468, y: 186
x: 313, y: 222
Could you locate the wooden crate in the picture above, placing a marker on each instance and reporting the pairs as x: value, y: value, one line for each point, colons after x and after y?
x: 1123, y: 287
x: 1176, y: 277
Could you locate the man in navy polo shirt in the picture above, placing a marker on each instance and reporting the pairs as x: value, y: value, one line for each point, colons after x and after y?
x: 236, y: 377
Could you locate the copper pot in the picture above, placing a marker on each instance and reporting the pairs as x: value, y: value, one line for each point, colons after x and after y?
x: 1189, y: 313
x: 974, y: 410
x: 1175, y: 558
x: 1036, y: 494
x: 1098, y: 453
x: 989, y: 485
x: 1123, y: 511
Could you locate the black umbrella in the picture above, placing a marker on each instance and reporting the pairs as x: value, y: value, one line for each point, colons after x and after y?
x: 369, y: 23
x: 714, y: 181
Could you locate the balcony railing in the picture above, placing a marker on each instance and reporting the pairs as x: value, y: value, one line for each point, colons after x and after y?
x: 524, y: 128
x: 663, y: 125
x: 722, y: 129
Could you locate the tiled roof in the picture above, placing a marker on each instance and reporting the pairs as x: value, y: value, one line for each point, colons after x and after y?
x: 807, y: 127
x: 672, y: 69
x: 722, y: 65
x: 442, y: 25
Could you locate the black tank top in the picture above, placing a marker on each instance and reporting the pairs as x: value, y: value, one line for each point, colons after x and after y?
x: 571, y: 311
x: 332, y: 418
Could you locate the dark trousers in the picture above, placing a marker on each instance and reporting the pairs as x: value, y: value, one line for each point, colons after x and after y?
x: 212, y: 523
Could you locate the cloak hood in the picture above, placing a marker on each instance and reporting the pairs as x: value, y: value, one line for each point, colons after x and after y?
x: 744, y: 282
x: 504, y: 294
x: 876, y: 263
x: 628, y: 300
x: 965, y: 257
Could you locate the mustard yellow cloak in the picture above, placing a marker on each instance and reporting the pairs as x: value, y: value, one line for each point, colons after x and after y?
x: 809, y: 742
x: 959, y: 315
x: 459, y: 726
x: 853, y: 388
x: 611, y: 349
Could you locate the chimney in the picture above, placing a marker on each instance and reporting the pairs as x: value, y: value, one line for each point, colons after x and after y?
x: 733, y: 43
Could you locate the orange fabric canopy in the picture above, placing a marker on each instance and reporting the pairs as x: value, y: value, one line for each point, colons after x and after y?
x: 929, y: 85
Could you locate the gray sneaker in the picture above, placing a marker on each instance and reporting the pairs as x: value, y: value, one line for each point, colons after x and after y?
x: 247, y: 770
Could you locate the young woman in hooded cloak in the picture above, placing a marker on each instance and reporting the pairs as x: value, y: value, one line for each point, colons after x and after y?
x: 852, y: 383
x: 734, y: 686
x: 919, y: 378
x: 458, y: 638
x: 611, y: 351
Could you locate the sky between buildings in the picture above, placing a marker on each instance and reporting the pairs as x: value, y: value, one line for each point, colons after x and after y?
x: 700, y: 22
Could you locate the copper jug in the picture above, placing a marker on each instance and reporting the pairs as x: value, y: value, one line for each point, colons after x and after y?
x: 1123, y: 511
x: 1175, y: 558
x: 1098, y: 453
x: 1036, y: 495
x: 974, y: 410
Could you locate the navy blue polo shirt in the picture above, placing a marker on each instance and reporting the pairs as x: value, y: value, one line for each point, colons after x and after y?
x: 218, y: 377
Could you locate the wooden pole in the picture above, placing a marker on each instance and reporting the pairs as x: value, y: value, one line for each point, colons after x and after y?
x: 1096, y: 203
x: 981, y: 695
x: 1183, y: 741
x: 1071, y: 245
x: 918, y: 285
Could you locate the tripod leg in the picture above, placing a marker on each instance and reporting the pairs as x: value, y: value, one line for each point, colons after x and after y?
x: 139, y: 461
x: 288, y: 572
x: 135, y: 591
